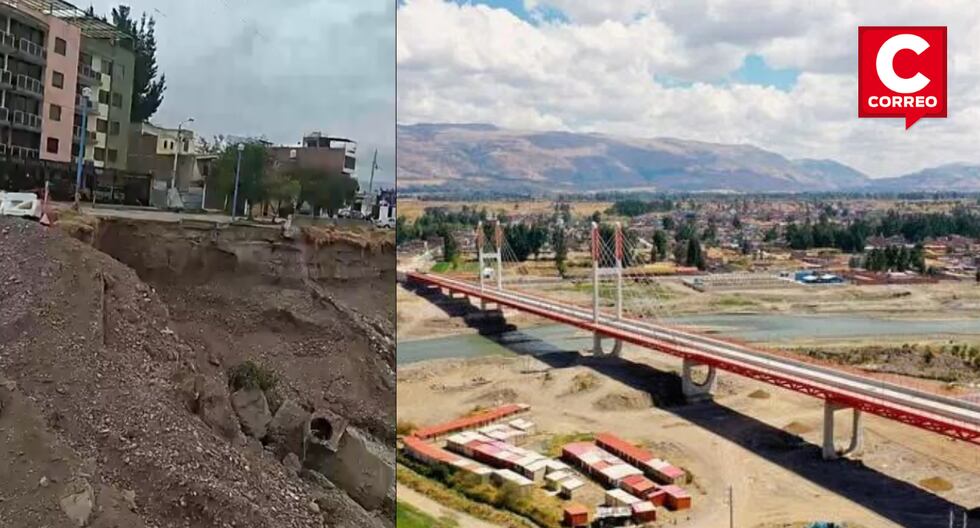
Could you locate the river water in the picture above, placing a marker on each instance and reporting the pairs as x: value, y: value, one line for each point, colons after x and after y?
x: 749, y: 327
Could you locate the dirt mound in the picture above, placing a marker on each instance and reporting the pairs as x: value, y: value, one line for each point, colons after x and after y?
x: 936, y: 484
x: 797, y: 428
x: 583, y: 382
x: 759, y: 394
x: 624, y: 401
x: 495, y: 397
x: 94, y: 351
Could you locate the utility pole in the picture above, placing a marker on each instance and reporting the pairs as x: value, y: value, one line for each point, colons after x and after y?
x: 238, y: 171
x: 374, y: 165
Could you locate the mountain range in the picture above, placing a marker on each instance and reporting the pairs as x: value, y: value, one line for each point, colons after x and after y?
x: 480, y: 157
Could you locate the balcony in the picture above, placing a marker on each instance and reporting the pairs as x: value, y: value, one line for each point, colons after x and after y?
x: 8, y: 42
x: 29, y: 86
x: 19, y: 152
x: 76, y: 136
x: 26, y: 121
x: 6, y: 80
x: 87, y: 76
x: 93, y: 109
x: 31, y: 51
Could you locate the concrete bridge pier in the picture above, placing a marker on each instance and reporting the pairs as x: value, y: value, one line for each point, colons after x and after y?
x: 615, y: 351
x: 696, y: 391
x: 857, y: 432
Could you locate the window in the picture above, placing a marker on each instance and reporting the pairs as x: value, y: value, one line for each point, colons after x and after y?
x: 60, y: 46
x: 103, y: 97
x: 187, y: 145
x: 54, y: 113
x: 113, y: 154
x: 117, y: 100
x: 102, y: 126
x: 58, y: 79
x: 114, y: 128
x: 53, y: 145
x: 99, y: 154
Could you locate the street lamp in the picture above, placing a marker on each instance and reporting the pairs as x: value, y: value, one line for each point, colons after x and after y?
x: 173, y: 178
x: 86, y: 97
x: 238, y: 171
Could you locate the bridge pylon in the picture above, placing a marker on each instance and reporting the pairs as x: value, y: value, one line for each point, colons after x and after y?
x: 696, y: 391
x: 495, y: 256
x: 830, y: 451
x: 598, y: 271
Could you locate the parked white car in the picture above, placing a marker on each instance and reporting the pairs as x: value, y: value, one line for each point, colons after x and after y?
x: 385, y: 223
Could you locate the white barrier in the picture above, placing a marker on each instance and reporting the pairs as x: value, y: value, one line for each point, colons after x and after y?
x: 20, y: 204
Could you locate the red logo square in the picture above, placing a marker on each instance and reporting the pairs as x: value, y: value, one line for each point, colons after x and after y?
x: 902, y: 72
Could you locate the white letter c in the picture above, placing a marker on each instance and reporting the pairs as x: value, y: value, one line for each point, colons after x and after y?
x: 886, y: 58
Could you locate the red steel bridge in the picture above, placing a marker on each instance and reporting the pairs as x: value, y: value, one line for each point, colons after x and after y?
x: 839, y: 388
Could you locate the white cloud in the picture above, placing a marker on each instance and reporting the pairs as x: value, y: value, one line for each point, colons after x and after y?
x: 596, y: 72
x: 280, y: 69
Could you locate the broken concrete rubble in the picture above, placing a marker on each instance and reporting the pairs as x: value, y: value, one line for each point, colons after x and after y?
x: 359, y: 465
x: 288, y: 429
x: 253, y: 411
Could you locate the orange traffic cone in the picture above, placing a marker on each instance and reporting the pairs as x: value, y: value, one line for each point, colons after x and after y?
x: 45, y: 221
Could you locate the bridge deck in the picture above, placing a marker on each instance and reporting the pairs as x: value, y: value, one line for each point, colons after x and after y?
x: 942, y: 414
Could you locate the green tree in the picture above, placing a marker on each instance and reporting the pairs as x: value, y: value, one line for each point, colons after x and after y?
x: 668, y: 223
x: 695, y: 255
x: 560, y: 247
x: 450, y: 248
x: 283, y: 190
x: 148, y: 88
x: 404, y: 231
x: 324, y: 190
x: 251, y: 185
x: 659, y: 246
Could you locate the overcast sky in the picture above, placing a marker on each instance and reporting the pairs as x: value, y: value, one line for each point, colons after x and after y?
x: 279, y: 69
x: 779, y: 74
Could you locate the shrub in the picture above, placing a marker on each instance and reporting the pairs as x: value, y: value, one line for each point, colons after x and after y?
x: 249, y: 375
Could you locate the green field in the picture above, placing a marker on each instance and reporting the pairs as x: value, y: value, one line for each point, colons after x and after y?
x: 408, y: 516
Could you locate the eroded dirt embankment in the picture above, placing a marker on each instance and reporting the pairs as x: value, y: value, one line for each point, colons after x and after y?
x: 316, y: 307
x: 115, y: 402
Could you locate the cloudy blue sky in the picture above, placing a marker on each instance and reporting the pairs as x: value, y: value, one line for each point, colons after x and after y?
x: 779, y: 74
x: 279, y: 69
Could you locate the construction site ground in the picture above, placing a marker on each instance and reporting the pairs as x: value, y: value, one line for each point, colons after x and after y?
x: 760, y: 439
x: 117, y: 337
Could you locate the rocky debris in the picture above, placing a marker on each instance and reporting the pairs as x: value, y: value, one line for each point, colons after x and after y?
x: 288, y: 429
x: 83, y: 337
x: 78, y: 502
x: 292, y: 463
x: 253, y: 411
x: 209, y: 399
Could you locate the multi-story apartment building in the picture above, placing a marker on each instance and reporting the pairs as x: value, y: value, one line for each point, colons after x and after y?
x: 328, y: 153
x: 105, y: 65
x: 23, y: 33
x: 50, y: 50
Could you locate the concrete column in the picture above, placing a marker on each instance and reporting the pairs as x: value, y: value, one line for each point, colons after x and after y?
x: 857, y: 432
x: 595, y: 273
x: 500, y: 248
x: 829, y: 450
x: 619, y: 271
x: 616, y: 351
x: 479, y: 252
x: 693, y: 391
